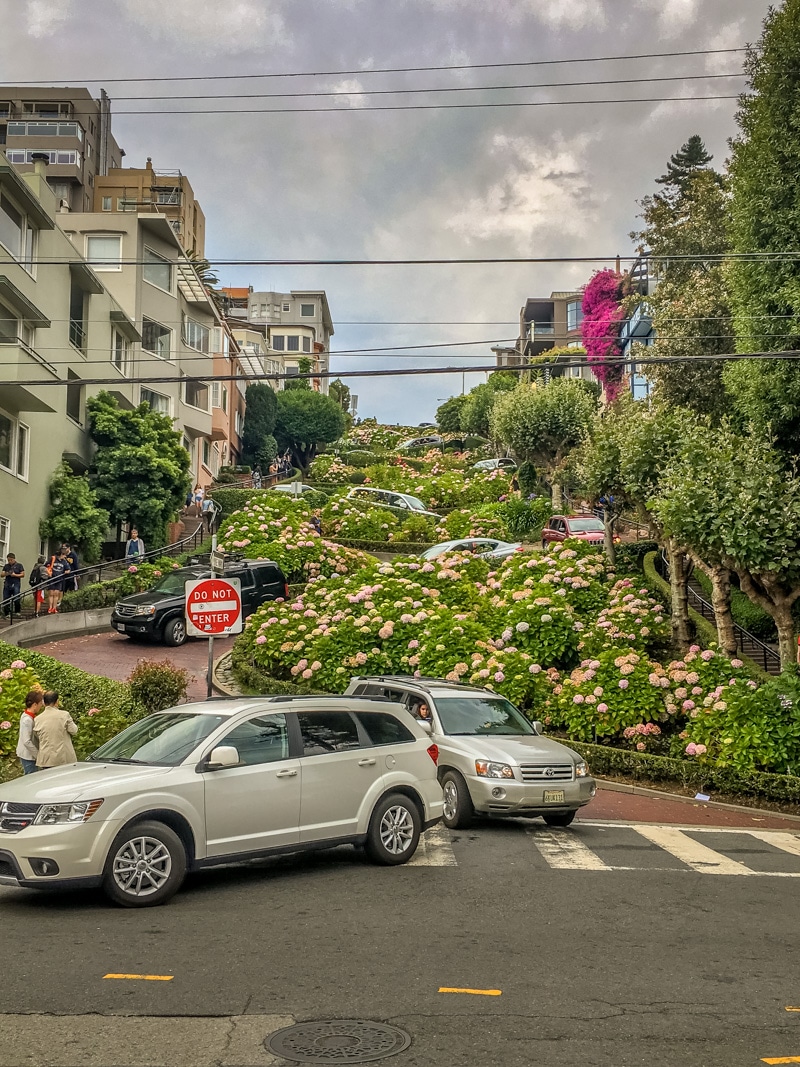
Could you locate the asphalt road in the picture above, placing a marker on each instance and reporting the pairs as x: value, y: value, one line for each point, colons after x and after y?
x: 610, y: 943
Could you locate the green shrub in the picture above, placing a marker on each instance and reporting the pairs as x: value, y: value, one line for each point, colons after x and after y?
x: 524, y: 519
x: 357, y: 478
x: 528, y: 479
x: 630, y: 555
x: 256, y: 682
x: 158, y: 684
x: 360, y: 458
x: 474, y: 442
x: 417, y: 529
x: 747, y: 614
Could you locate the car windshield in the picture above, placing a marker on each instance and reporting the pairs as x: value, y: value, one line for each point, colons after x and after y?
x: 172, y: 584
x: 585, y: 525
x: 414, y: 502
x: 474, y: 715
x: 165, y: 739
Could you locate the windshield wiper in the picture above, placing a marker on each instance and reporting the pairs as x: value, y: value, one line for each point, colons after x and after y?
x: 118, y: 759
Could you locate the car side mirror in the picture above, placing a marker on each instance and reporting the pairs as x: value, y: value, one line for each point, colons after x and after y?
x: 222, y: 756
x: 426, y: 726
x: 538, y: 726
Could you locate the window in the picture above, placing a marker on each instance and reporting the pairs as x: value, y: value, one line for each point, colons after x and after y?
x: 9, y: 326
x: 14, y: 446
x: 278, y: 342
x: 176, y: 225
x: 332, y: 731
x: 384, y: 729
x: 44, y: 129
x: 196, y: 335
x: 55, y: 156
x: 168, y: 196
x: 23, y: 441
x: 47, y: 109
x: 575, y: 372
x: 5, y: 537
x: 77, y: 316
x: 156, y: 338
x: 239, y: 422
x: 158, y: 402
x: 74, y: 396
x: 261, y: 740
x: 157, y: 270
x: 195, y: 394
x: 306, y: 344
x: 292, y: 344
x: 224, y: 399
x: 307, y: 309
x: 119, y: 351
x: 104, y: 251
x: 574, y: 314
x: 215, y: 394
x: 206, y: 453
x: 287, y: 306
x: 7, y: 426
x: 106, y: 203
x: 127, y: 203
x: 16, y: 233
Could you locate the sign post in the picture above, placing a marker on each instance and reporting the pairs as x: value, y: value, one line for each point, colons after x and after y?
x: 213, y: 608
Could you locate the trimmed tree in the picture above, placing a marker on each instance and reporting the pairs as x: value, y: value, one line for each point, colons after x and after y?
x: 74, y: 515
x: 261, y: 410
x: 475, y: 414
x: 306, y: 420
x: 448, y: 414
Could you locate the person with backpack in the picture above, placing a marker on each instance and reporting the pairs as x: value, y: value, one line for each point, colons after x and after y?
x: 37, y: 582
x: 59, y: 569
x: 71, y: 582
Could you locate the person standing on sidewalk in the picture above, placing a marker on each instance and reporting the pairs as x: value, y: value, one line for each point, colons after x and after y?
x: 53, y: 730
x: 27, y: 746
x: 208, y: 512
x: 59, y: 569
x: 71, y: 584
x: 134, y: 547
x: 13, y: 573
x: 38, y: 582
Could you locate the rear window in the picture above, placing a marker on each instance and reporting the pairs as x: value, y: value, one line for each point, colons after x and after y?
x: 332, y: 731
x: 268, y: 576
x: 384, y: 729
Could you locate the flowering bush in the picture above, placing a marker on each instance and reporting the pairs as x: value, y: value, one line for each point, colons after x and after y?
x: 331, y: 470
x: 15, y: 681
x: 632, y: 618
x: 343, y: 519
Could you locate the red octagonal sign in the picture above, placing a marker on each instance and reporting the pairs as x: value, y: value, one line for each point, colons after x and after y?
x: 213, y: 607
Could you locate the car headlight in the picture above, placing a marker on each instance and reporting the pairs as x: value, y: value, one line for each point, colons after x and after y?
x: 486, y: 769
x: 58, y: 814
x: 145, y: 609
x: 582, y: 769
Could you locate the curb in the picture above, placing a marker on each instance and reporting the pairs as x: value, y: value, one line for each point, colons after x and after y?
x: 220, y: 686
x: 57, y: 627
x: 658, y: 794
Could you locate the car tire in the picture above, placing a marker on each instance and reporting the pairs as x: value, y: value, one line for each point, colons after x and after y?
x: 394, y: 830
x: 175, y: 632
x: 458, y: 807
x: 160, y: 854
x: 559, y: 818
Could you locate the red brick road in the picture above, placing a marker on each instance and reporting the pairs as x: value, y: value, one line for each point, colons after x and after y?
x: 634, y: 807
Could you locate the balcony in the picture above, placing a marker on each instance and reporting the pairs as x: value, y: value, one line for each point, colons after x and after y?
x: 21, y: 371
x: 220, y: 425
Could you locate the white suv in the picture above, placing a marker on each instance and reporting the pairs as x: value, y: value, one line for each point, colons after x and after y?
x: 220, y: 781
x: 492, y: 760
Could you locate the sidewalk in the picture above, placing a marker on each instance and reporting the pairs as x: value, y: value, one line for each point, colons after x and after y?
x: 635, y: 807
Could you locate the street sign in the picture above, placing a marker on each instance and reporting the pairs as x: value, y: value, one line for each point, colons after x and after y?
x: 217, y: 560
x: 213, y: 607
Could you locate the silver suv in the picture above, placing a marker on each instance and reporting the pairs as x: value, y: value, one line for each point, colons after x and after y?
x: 217, y: 782
x: 492, y: 760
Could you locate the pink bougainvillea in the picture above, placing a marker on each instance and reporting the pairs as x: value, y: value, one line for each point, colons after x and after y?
x: 602, y: 316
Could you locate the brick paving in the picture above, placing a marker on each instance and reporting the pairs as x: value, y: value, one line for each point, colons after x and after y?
x: 634, y: 807
x: 114, y: 656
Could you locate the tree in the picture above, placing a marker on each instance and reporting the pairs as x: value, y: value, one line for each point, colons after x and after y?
x: 304, y: 365
x: 306, y: 420
x: 140, y: 471
x: 448, y: 414
x: 259, y: 447
x: 477, y: 407
x: 684, y: 165
x: 340, y: 392
x: 765, y: 218
x: 74, y: 516
x: 543, y: 424
x: 600, y: 472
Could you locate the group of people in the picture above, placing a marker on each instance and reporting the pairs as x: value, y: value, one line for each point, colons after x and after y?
x: 45, y: 733
x: 49, y: 580
x: 204, y: 506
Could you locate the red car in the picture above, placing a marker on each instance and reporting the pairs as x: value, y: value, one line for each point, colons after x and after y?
x: 584, y: 527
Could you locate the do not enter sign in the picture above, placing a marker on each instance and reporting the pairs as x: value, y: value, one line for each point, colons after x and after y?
x: 213, y: 607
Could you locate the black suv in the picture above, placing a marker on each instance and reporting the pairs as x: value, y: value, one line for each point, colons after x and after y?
x: 159, y: 612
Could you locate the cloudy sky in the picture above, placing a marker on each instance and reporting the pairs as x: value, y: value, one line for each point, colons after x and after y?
x: 351, y: 183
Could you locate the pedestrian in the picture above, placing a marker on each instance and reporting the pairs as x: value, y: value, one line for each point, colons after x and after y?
x: 134, y: 548
x: 27, y: 745
x: 514, y: 484
x: 59, y: 570
x: 316, y: 521
x: 208, y: 512
x: 53, y: 731
x: 199, y: 493
x: 74, y: 566
x: 257, y: 478
x: 189, y: 499
x: 38, y: 582
x: 12, y: 573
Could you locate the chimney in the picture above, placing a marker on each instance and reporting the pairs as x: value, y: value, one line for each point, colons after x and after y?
x: 40, y: 162
x: 149, y: 164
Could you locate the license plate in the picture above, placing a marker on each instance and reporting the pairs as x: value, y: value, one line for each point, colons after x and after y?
x: 554, y: 796
x: 121, y: 628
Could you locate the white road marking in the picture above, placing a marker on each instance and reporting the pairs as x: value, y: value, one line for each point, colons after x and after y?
x: 786, y: 842
x: 564, y: 851
x: 692, y: 853
x: 435, y: 849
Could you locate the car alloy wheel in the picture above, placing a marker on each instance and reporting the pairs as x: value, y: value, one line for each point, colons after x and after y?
x: 175, y: 632
x: 458, y: 810
x: 142, y: 866
x: 450, y: 800
x: 397, y: 829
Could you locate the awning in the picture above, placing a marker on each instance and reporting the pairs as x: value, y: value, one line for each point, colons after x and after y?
x: 18, y: 302
x: 23, y: 193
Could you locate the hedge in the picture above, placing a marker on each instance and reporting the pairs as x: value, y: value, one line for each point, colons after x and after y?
x: 257, y: 682
x: 747, y: 614
x: 692, y: 775
x: 630, y: 555
x: 402, y: 548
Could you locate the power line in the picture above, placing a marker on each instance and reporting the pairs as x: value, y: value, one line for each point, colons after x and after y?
x: 393, y: 70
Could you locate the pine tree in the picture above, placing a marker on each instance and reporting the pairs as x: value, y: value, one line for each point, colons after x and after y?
x: 684, y: 165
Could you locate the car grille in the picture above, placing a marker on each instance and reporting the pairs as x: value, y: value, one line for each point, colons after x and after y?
x: 546, y: 772
x: 125, y: 611
x: 15, y: 817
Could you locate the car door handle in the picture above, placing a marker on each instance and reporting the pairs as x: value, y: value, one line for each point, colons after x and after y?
x: 286, y: 774
x: 368, y: 762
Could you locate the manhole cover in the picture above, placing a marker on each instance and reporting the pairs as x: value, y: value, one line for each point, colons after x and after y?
x: 338, y: 1041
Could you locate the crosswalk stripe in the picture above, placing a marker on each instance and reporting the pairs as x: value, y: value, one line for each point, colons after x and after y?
x: 434, y: 849
x: 566, y: 851
x: 692, y: 853
x: 786, y: 842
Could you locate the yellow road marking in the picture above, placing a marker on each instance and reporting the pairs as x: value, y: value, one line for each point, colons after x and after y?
x: 143, y: 977
x: 781, y: 1059
x: 475, y: 992
x: 791, y: 1009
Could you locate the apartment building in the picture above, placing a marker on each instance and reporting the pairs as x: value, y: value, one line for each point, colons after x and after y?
x: 297, y: 325
x: 638, y: 327
x: 59, y: 326
x: 66, y: 127
x: 146, y: 189
x: 546, y: 323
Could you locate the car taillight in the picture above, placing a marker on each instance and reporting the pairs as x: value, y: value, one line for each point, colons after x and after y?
x: 520, y: 549
x: 433, y: 752
x: 286, y: 589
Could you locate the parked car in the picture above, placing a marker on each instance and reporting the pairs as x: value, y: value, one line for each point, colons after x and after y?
x: 217, y: 782
x: 487, y: 547
x: 159, y: 612
x: 584, y: 527
x: 504, y: 463
x: 388, y: 498
x: 432, y: 440
x: 288, y: 487
x: 492, y: 760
